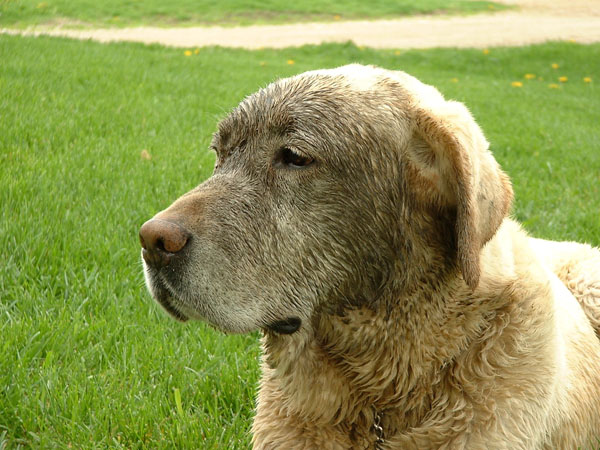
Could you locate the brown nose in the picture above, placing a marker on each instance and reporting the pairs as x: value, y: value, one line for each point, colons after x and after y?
x: 160, y: 240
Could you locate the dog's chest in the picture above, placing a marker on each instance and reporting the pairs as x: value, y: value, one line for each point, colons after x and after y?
x: 346, y: 390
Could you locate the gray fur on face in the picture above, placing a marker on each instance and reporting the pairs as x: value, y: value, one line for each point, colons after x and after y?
x: 270, y: 241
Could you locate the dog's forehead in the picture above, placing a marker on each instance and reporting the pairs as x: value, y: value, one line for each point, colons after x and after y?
x: 315, y: 96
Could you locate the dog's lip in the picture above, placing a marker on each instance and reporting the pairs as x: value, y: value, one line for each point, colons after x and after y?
x: 288, y: 325
x: 163, y: 295
x: 164, y: 301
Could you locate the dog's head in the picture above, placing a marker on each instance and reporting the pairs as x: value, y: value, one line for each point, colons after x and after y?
x: 328, y: 187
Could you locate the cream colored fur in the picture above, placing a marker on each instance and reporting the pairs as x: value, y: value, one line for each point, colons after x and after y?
x: 514, y: 365
x: 417, y: 301
x: 529, y: 378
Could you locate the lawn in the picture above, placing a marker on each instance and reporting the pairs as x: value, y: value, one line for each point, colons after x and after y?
x: 233, y: 12
x: 87, y: 360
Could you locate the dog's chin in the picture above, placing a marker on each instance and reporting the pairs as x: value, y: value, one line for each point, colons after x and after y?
x: 168, y: 302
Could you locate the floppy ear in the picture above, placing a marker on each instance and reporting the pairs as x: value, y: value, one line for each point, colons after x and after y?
x: 453, y: 158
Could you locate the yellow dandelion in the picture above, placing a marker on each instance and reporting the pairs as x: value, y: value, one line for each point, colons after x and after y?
x: 553, y: 86
x: 188, y: 53
x: 516, y: 84
x: 563, y: 79
x: 262, y: 63
x: 486, y: 51
x: 291, y: 62
x: 145, y: 155
x: 397, y: 52
x: 555, y: 66
x: 454, y: 80
x: 587, y: 79
x: 529, y: 76
x: 491, y: 7
x: 197, y: 51
x: 337, y: 17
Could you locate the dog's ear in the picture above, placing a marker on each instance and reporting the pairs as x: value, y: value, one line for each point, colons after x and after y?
x: 453, y: 162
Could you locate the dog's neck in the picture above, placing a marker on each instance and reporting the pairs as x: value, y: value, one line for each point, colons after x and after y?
x: 388, y: 357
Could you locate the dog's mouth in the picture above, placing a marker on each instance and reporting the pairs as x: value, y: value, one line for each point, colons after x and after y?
x: 169, y: 302
x: 166, y: 302
x: 174, y: 303
x: 164, y: 296
x: 285, y: 326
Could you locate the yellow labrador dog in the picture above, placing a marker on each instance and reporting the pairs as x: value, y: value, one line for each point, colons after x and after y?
x: 359, y: 220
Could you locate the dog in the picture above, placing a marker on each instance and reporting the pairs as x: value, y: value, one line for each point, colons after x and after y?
x: 359, y: 220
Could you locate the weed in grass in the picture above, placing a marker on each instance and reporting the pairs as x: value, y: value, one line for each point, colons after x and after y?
x: 87, y: 359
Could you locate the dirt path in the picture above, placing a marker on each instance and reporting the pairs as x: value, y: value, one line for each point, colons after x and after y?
x: 536, y: 21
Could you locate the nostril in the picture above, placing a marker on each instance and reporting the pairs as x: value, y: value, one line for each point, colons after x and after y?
x: 161, y: 238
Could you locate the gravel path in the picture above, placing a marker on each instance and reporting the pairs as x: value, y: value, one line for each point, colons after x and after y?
x: 536, y: 21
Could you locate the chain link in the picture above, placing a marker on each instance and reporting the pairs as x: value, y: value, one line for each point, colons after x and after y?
x: 377, y: 428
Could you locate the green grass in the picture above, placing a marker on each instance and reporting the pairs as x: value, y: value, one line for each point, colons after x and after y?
x: 86, y: 358
x: 188, y: 12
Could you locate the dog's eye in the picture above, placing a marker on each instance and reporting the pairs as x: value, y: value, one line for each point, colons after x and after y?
x: 293, y: 159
